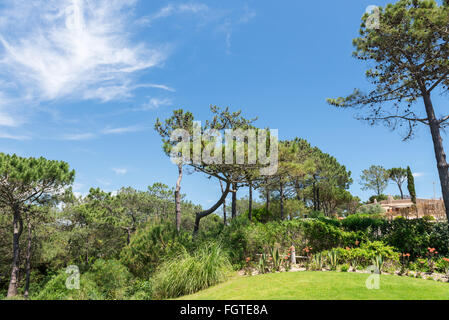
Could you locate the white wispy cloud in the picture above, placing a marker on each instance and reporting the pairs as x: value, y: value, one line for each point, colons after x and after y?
x: 104, y: 182
x: 154, y: 103
x: 230, y: 23
x: 120, y: 171
x: 13, y: 137
x: 220, y: 20
x: 418, y: 174
x: 105, y: 131
x: 72, y: 48
x: 78, y: 136
x: 122, y: 130
x: 172, y: 9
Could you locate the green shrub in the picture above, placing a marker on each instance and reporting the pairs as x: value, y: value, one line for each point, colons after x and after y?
x: 141, y: 290
x: 439, y: 237
x: 151, y: 245
x: 316, y: 214
x: 363, y: 256
x: 442, y: 265
x: 56, y: 289
x: 333, y: 259
x: 420, y: 265
x: 366, y: 223
x: 234, y: 239
x: 188, y: 273
x: 112, y: 278
x: 322, y: 236
x: 409, y: 236
x: 370, y: 209
x: 261, y: 215
x: 344, y: 268
x: 379, y: 198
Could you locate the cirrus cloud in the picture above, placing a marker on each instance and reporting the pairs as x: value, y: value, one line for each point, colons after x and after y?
x: 72, y: 48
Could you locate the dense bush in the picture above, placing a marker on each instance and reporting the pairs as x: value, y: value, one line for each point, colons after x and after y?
x: 370, y: 209
x: 56, y: 289
x: 370, y: 224
x: 261, y: 215
x: 379, y: 198
x: 322, y: 236
x: 190, y: 273
x: 151, y: 245
x: 363, y: 255
x: 107, y: 280
x: 112, y: 278
x: 409, y: 236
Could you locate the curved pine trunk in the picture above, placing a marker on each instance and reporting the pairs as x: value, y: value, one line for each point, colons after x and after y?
x: 28, y: 258
x: 440, y: 155
x: 234, y: 201
x: 250, y: 204
x: 17, y: 232
x: 205, y: 213
x: 178, y: 199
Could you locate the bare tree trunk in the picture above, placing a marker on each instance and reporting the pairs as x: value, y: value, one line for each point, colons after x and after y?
x: 281, y: 200
x: 28, y: 257
x: 18, y: 228
x: 250, y: 204
x: 268, y: 201
x: 439, y: 151
x: 87, y: 250
x: 128, y: 235
x: 224, y: 204
x: 234, y: 201
x: 178, y: 198
x: 205, y: 213
x: 400, y: 190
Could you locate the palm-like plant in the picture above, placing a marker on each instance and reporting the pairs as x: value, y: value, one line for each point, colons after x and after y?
x: 333, y: 259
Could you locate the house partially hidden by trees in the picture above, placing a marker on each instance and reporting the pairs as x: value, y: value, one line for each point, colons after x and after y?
x: 406, y: 208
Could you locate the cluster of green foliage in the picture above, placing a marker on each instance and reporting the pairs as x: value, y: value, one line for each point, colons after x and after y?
x: 363, y: 255
x: 188, y: 273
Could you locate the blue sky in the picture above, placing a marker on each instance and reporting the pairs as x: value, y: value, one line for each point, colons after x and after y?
x: 84, y: 81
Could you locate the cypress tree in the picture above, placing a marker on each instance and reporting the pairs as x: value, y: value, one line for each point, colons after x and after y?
x: 411, y: 185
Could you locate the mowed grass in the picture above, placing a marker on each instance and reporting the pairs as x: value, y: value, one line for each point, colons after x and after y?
x: 323, y: 286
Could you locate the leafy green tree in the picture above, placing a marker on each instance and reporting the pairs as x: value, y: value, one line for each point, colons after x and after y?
x: 375, y: 178
x: 328, y: 176
x: 378, y: 198
x: 233, y: 175
x: 409, y: 51
x: 24, y: 181
x: 180, y: 120
x: 411, y: 184
x: 398, y: 175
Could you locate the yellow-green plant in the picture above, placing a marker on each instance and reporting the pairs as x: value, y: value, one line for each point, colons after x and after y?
x: 263, y: 263
x: 333, y: 259
x: 276, y: 259
x: 318, y: 260
x: 378, y: 262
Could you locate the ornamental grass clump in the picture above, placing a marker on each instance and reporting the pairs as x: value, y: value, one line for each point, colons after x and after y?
x: 333, y: 259
x: 191, y: 273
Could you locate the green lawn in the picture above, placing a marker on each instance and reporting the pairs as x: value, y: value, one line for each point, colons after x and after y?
x: 322, y: 286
